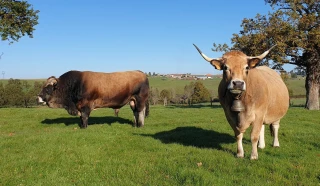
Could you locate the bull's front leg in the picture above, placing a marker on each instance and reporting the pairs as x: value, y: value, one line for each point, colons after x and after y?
x: 85, y: 113
x: 139, y: 113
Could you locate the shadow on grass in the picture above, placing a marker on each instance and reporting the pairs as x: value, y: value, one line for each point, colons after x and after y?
x: 92, y: 120
x: 193, y: 136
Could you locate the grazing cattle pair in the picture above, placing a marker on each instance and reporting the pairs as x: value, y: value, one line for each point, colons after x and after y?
x: 250, y: 95
x: 81, y: 92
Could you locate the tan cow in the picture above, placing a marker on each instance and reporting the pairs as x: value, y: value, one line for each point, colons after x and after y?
x: 261, y: 92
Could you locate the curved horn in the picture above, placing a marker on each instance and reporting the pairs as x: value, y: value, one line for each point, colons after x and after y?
x: 206, y: 57
x: 263, y: 55
x: 52, y: 80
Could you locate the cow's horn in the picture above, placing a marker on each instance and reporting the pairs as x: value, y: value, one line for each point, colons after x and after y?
x: 263, y: 55
x: 204, y: 56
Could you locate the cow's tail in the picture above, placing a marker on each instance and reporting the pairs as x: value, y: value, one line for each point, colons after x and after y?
x: 147, y: 108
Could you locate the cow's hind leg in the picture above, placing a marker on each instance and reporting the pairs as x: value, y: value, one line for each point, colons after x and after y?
x: 85, y: 113
x: 256, y: 129
x: 262, y: 143
x: 275, y: 127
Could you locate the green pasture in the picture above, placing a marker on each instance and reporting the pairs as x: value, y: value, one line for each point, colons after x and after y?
x: 178, y: 145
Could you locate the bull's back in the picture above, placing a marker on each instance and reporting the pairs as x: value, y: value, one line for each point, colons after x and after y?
x: 277, y: 94
x: 109, y: 89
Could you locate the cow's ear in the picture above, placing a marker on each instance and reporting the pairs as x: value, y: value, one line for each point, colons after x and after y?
x: 216, y: 63
x: 253, y: 62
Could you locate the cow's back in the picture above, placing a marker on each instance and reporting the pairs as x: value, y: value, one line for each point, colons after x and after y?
x: 268, y: 89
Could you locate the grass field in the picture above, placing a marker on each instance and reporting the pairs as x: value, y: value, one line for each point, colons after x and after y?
x: 178, y: 146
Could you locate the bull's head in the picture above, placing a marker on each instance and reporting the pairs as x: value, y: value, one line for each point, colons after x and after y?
x: 46, y: 94
x: 235, y: 66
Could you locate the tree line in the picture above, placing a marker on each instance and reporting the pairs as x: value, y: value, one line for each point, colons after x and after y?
x: 193, y: 93
x: 17, y: 93
x: 22, y: 93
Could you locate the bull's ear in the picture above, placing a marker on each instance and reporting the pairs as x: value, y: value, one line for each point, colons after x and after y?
x: 253, y: 62
x: 216, y: 63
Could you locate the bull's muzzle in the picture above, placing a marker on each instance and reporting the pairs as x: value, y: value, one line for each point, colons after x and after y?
x: 40, y: 100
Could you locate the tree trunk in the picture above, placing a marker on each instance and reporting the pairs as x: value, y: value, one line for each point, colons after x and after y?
x: 312, y: 89
x: 165, y: 101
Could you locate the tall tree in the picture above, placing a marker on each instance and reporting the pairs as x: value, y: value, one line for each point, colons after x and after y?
x: 165, y: 95
x: 200, y: 94
x: 17, y: 19
x: 14, y: 92
x: 294, y: 27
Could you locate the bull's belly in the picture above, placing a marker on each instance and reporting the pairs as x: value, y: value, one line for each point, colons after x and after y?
x: 109, y: 104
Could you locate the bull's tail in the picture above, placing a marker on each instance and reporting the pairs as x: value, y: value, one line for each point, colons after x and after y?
x: 147, y: 108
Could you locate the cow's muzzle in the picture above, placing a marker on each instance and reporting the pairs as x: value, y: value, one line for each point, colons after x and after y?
x: 237, y: 86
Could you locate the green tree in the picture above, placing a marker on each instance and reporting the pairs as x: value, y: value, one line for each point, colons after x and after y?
x: 188, y: 91
x: 2, y: 95
x: 294, y: 27
x: 30, y: 93
x: 17, y: 19
x: 165, y: 95
x: 201, y: 93
x: 14, y: 93
x: 153, y: 95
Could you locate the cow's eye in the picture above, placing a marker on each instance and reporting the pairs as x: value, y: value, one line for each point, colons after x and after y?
x: 247, y: 67
x: 225, y: 67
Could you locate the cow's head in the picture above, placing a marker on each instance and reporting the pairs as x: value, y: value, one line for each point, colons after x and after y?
x: 47, y: 94
x: 235, y: 66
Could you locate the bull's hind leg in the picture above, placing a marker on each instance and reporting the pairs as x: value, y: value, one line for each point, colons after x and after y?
x: 275, y: 127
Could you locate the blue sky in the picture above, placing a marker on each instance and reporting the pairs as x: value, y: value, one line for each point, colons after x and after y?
x: 118, y: 35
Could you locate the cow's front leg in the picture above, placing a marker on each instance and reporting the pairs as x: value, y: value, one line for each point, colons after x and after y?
x: 255, y: 133
x: 240, y: 151
x: 85, y: 113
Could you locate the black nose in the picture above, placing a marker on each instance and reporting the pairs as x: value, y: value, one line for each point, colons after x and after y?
x: 238, y: 85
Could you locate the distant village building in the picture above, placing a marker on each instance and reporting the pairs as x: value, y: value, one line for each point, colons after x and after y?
x: 188, y: 76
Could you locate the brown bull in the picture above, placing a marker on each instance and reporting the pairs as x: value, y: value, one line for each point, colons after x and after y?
x: 262, y: 97
x: 81, y: 92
